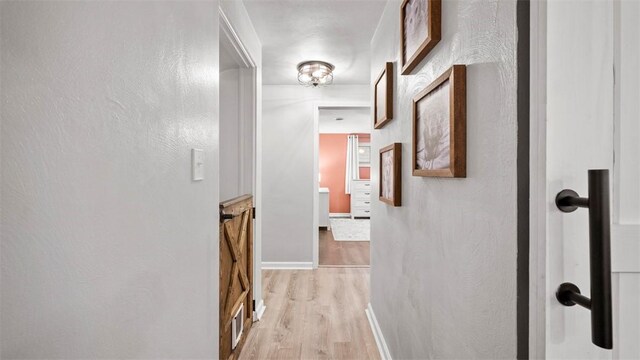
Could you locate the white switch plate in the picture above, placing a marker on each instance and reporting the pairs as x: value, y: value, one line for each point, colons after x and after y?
x: 197, y: 164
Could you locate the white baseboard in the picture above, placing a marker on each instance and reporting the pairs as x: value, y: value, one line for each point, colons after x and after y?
x: 377, y: 334
x: 259, y: 310
x: 287, y: 265
x: 339, y: 215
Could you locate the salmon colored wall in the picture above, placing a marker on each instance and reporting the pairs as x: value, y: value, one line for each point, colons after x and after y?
x: 365, y: 173
x: 332, y: 164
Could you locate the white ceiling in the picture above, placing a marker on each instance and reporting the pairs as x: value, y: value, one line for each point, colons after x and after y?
x: 336, y: 31
x: 355, y: 120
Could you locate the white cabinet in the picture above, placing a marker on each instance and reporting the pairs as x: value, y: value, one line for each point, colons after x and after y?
x: 360, y: 198
x: 323, y: 208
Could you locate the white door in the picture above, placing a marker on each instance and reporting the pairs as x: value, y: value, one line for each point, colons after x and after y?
x: 592, y: 122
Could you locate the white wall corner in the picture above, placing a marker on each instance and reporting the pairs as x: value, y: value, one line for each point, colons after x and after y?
x: 306, y: 265
x: 377, y: 333
x: 259, y: 310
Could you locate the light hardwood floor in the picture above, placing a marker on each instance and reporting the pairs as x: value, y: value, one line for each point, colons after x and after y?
x: 342, y: 253
x: 313, y: 314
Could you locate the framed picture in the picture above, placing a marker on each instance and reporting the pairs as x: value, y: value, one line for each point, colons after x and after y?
x: 419, y: 31
x: 383, y: 97
x: 390, y: 180
x: 439, y: 126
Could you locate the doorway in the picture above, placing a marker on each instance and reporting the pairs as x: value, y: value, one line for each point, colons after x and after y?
x: 343, y: 157
x: 240, y: 278
x: 237, y: 122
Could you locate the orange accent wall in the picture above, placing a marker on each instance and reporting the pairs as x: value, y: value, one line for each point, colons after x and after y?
x: 365, y: 173
x: 332, y: 164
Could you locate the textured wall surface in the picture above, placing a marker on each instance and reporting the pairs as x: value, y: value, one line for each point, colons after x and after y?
x: 443, y: 266
x: 109, y: 250
x: 288, y: 166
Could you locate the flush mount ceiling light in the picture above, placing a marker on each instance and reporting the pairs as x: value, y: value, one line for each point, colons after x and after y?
x: 315, y: 73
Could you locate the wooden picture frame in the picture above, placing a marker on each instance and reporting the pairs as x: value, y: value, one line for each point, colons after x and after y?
x: 447, y: 98
x: 408, y: 62
x: 383, y: 102
x: 390, y: 170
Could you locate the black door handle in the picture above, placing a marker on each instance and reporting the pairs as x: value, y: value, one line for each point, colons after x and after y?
x: 568, y: 294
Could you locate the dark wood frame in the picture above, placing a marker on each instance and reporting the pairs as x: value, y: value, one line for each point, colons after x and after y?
x: 397, y: 174
x: 388, y: 115
x: 434, y: 20
x: 457, y: 76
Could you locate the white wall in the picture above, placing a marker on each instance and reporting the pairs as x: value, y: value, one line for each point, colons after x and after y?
x: 443, y: 267
x: 230, y: 128
x: 355, y: 120
x: 108, y: 248
x: 288, y: 136
x: 237, y: 128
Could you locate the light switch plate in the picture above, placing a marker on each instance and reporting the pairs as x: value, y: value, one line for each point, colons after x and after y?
x: 197, y: 164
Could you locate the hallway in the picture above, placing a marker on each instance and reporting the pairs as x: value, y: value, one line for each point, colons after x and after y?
x: 317, y: 314
x: 320, y: 179
x: 343, y: 253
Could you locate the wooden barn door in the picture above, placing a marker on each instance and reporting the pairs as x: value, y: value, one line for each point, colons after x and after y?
x: 236, y: 274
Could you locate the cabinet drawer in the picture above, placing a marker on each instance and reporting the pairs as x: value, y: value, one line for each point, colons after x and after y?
x: 362, y: 195
x: 360, y: 212
x: 361, y: 203
x: 361, y: 185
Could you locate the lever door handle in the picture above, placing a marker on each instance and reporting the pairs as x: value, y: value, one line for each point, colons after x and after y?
x: 568, y: 294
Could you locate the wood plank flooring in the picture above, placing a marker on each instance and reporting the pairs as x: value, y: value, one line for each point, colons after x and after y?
x: 342, y: 253
x: 313, y: 314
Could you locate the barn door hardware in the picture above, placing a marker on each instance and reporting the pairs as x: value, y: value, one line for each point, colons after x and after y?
x: 569, y: 294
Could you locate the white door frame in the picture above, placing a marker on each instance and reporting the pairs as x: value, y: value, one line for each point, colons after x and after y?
x: 250, y: 92
x: 538, y: 179
x: 625, y: 247
x: 316, y: 153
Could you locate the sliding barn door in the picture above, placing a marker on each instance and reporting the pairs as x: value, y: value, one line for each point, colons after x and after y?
x: 593, y: 52
x: 236, y: 274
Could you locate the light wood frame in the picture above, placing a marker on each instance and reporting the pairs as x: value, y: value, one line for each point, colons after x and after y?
x: 434, y: 21
x: 456, y: 75
x: 396, y: 200
x: 386, y: 73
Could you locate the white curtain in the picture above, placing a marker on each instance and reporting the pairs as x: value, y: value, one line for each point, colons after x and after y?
x: 353, y: 166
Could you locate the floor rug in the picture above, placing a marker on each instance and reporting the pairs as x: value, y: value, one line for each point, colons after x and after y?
x: 346, y: 229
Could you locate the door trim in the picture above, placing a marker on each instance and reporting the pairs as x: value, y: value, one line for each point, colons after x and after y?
x: 253, y: 94
x: 316, y: 154
x: 537, y: 179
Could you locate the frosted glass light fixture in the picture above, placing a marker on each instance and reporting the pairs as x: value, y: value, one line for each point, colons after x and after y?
x: 315, y: 73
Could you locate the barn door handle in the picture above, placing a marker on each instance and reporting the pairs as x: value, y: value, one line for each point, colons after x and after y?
x: 568, y: 294
x: 224, y: 217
